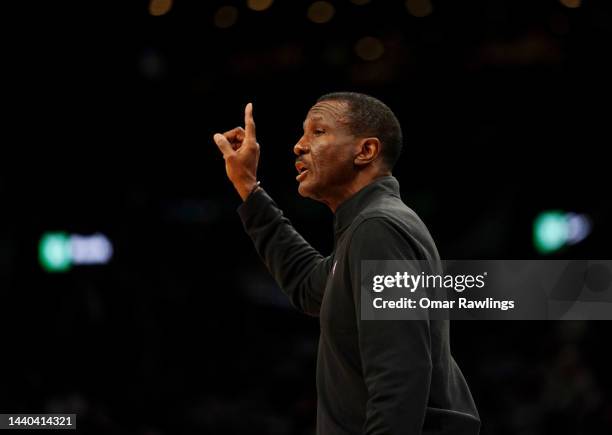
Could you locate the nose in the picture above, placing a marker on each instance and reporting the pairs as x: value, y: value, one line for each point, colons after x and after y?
x: 300, y: 147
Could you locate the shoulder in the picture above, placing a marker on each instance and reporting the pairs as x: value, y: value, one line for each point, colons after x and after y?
x: 390, y: 215
x: 379, y: 238
x: 368, y: 225
x: 390, y: 230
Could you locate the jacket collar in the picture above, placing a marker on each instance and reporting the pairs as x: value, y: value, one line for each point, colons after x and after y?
x: 349, y: 209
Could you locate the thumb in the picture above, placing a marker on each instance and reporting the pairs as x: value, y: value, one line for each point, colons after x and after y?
x: 224, y: 146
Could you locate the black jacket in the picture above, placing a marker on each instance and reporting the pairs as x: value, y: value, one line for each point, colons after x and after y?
x: 373, y: 377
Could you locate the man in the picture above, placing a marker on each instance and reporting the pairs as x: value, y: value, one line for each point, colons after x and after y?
x: 373, y: 376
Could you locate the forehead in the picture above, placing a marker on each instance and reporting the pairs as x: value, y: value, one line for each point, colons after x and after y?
x: 328, y: 111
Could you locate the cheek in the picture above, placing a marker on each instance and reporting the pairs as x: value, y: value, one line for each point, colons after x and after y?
x: 322, y: 162
x: 333, y: 165
x: 330, y: 159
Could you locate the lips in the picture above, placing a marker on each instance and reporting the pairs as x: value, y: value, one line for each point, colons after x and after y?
x: 302, y: 170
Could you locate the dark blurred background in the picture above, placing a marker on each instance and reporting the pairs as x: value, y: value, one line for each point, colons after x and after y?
x: 110, y: 108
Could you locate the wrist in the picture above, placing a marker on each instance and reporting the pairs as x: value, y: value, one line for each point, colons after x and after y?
x: 246, y: 189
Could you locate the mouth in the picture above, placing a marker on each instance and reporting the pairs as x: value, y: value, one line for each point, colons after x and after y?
x: 302, y: 170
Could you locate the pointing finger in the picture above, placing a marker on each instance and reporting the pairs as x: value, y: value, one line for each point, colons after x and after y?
x: 249, y: 122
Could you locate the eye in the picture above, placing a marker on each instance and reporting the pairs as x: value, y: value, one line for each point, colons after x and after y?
x: 318, y: 131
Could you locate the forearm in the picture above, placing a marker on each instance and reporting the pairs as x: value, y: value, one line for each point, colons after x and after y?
x: 297, y: 267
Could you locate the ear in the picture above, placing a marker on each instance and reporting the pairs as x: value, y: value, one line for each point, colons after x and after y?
x: 369, y: 149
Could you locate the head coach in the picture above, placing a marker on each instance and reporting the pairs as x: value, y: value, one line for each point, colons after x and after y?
x: 373, y: 377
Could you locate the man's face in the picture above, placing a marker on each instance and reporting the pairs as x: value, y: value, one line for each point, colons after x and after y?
x: 325, y: 152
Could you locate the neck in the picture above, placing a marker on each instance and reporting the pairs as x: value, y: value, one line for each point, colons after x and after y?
x: 359, y: 182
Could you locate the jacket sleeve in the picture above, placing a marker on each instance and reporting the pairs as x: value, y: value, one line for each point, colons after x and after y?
x: 299, y: 269
x: 395, y: 354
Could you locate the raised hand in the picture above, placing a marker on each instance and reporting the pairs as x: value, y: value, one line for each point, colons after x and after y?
x: 241, y: 153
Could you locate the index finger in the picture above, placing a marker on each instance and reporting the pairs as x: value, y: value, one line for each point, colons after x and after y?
x: 249, y: 122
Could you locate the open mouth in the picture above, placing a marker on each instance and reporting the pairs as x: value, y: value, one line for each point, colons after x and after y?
x: 302, y: 170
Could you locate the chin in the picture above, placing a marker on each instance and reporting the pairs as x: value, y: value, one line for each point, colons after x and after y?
x: 307, y: 188
x: 303, y: 190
